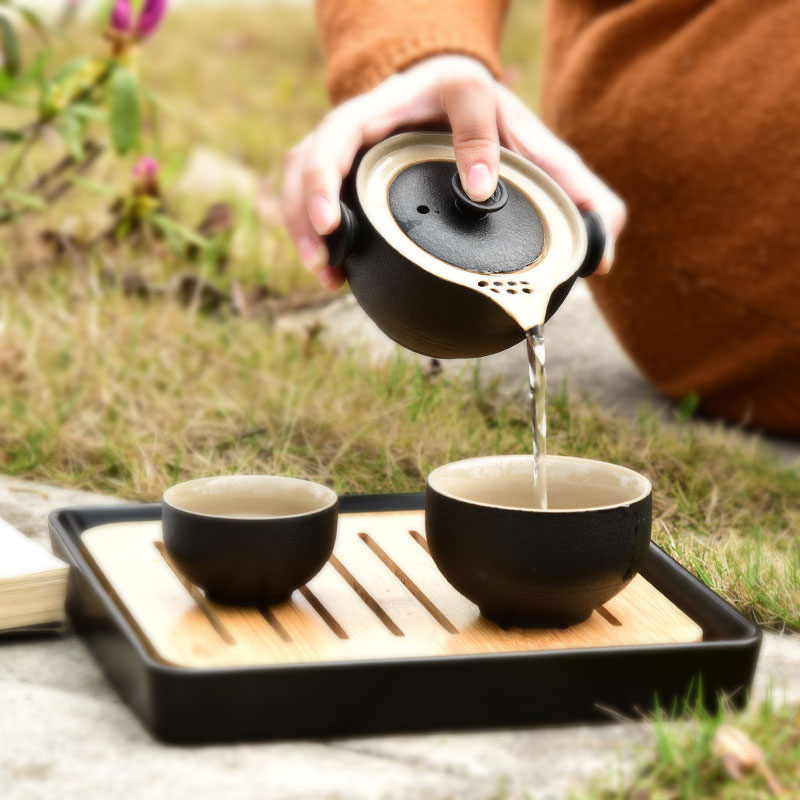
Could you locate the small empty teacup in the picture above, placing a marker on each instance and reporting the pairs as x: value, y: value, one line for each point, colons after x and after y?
x: 249, y: 539
x: 526, y: 566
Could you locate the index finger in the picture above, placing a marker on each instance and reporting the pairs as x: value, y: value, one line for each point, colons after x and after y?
x: 472, y: 110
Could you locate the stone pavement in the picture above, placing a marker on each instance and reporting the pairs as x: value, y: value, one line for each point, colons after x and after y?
x: 64, y: 732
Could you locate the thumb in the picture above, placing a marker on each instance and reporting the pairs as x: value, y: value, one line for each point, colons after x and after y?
x: 471, y: 108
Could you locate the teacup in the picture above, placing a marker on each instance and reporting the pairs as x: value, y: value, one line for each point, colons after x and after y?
x: 249, y: 539
x: 526, y: 566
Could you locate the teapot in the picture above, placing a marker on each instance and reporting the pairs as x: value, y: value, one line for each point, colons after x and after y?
x: 445, y: 275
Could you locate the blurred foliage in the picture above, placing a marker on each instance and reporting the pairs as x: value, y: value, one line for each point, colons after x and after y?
x: 721, y: 755
x: 88, y: 100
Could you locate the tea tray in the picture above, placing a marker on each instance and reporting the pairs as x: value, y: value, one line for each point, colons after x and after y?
x: 379, y: 641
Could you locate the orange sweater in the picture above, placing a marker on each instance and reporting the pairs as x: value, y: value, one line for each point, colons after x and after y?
x: 689, y: 110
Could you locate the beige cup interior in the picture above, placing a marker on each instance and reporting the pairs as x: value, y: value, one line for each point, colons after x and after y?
x: 253, y: 496
x: 573, y: 484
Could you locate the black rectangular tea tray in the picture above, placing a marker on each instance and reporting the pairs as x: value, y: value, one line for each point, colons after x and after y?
x: 378, y: 641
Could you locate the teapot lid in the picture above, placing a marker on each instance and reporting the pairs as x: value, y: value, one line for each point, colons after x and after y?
x: 501, y: 234
x: 529, y: 237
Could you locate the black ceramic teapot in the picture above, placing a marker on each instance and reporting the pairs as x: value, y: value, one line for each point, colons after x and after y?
x: 447, y: 276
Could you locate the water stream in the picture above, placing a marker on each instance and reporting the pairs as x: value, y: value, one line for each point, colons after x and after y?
x: 538, y: 397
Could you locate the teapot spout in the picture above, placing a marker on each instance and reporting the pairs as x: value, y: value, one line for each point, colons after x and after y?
x: 528, y: 316
x: 559, y: 295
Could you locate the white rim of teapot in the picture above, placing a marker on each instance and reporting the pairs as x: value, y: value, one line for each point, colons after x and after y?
x: 565, y: 235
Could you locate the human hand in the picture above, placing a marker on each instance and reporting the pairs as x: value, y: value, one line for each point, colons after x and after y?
x: 482, y: 114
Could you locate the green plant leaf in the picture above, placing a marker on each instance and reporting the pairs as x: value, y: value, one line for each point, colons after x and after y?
x: 25, y: 200
x: 93, y: 186
x: 687, y: 407
x: 55, y: 93
x: 171, y: 168
x: 175, y: 242
x: 36, y: 72
x: 75, y: 82
x: 86, y: 111
x: 170, y: 227
x: 71, y: 128
x: 125, y: 111
x: 70, y: 68
x: 9, y: 44
x: 34, y: 20
x: 10, y: 136
x: 16, y: 90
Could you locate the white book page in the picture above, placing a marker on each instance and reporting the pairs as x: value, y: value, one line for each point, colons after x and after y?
x: 21, y: 556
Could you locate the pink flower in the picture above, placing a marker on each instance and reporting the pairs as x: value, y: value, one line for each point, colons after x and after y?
x: 121, y: 16
x: 150, y: 18
x: 145, y: 176
x: 146, y: 168
x: 148, y: 22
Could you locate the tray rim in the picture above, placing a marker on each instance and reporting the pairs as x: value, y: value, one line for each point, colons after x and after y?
x: 66, y: 527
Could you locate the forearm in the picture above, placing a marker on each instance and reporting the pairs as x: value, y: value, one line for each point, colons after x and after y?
x: 365, y: 41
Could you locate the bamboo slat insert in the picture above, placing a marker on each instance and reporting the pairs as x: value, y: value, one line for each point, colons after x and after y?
x: 380, y: 596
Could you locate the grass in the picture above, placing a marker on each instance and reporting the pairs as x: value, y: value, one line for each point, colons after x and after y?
x: 684, y: 763
x: 128, y: 396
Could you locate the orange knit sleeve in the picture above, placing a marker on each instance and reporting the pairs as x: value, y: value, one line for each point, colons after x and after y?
x: 365, y: 41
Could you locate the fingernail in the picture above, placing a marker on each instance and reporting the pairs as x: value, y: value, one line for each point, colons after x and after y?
x: 606, y: 262
x: 608, y: 256
x: 479, y: 182
x: 312, y: 254
x: 321, y: 213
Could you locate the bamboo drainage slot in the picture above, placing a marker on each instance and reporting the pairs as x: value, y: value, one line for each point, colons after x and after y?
x: 408, y: 583
x: 380, y: 596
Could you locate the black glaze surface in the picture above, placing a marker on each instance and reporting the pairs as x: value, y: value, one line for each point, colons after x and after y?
x: 478, y: 209
x: 537, y: 568
x: 422, y: 201
x: 595, y: 243
x: 249, y: 561
x: 402, y: 695
x: 420, y: 311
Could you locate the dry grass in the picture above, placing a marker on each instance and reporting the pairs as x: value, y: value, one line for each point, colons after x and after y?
x: 686, y: 763
x: 117, y: 394
x: 129, y: 396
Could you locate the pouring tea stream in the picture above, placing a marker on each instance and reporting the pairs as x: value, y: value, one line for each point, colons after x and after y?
x: 449, y: 277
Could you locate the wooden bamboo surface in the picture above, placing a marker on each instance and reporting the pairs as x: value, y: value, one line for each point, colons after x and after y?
x: 380, y: 596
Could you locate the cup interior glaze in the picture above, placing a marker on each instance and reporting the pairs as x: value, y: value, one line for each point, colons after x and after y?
x: 249, y: 496
x: 249, y: 539
x: 527, y: 566
x: 574, y: 484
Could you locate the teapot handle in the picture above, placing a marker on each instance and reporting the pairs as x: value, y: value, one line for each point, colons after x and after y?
x: 596, y: 243
x: 342, y: 241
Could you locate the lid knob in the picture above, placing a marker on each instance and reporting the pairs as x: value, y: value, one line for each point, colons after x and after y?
x: 421, y: 200
x: 473, y: 208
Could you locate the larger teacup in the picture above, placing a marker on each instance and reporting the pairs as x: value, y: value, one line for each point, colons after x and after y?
x: 526, y: 566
